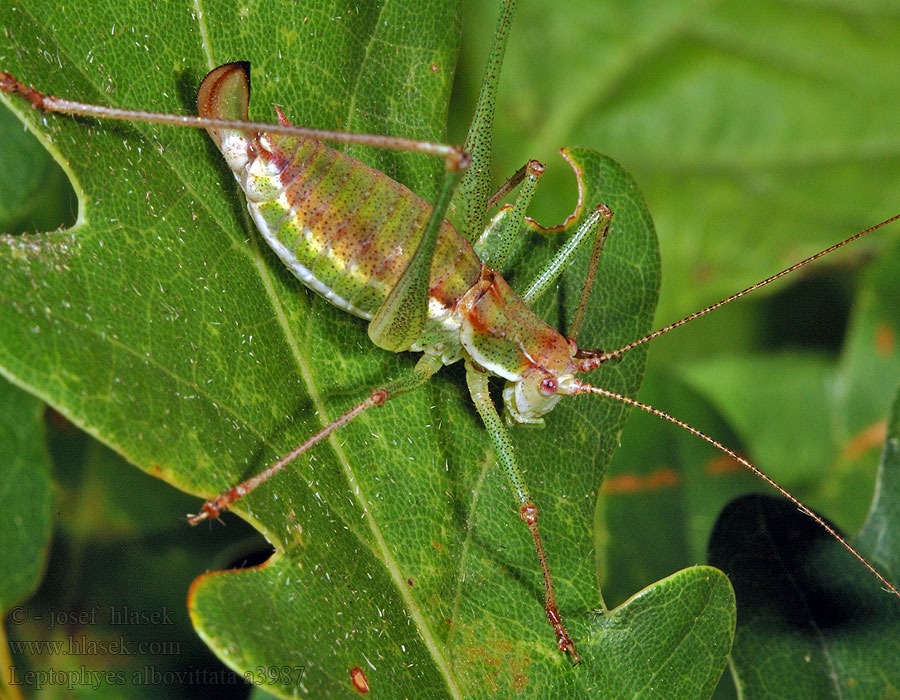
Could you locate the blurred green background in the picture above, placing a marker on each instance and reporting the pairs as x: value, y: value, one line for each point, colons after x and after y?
x: 759, y: 133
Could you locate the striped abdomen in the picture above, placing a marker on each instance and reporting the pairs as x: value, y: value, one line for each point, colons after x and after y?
x: 345, y: 229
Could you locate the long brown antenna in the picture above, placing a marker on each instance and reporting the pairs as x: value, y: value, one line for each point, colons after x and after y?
x: 594, y: 360
x: 584, y: 388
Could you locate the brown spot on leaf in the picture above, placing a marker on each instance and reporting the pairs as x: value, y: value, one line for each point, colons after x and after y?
x: 870, y: 437
x: 59, y: 421
x: 360, y: 682
x: 885, y: 339
x: 721, y: 465
x: 662, y: 478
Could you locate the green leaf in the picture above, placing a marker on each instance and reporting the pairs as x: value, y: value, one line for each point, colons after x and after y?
x: 663, y: 89
x: 25, y: 492
x: 809, y: 624
x: 672, y: 638
x: 758, y: 131
x: 159, y: 325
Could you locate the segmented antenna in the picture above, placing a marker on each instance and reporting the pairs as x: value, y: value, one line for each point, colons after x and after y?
x: 591, y: 359
x: 584, y: 388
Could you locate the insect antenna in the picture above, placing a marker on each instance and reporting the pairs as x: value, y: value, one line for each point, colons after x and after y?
x: 585, y: 388
x: 592, y: 359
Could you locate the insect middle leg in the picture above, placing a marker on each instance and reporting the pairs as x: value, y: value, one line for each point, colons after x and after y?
x: 496, y: 245
x: 595, y: 227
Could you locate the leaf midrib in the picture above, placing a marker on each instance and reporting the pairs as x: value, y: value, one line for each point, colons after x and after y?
x: 254, y: 252
x: 353, y: 485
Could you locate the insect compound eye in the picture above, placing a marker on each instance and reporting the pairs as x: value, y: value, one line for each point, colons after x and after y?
x: 549, y: 386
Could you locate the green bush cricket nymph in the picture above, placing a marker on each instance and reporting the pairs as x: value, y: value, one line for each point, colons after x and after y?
x: 398, y: 265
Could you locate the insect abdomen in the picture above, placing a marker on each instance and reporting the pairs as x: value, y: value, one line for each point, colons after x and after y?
x: 346, y: 230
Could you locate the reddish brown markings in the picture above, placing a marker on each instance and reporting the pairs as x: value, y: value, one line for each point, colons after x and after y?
x: 303, y: 188
x: 360, y: 682
x: 885, y: 339
x: 319, y: 217
x: 439, y: 293
x: 666, y: 477
x: 437, y: 545
x: 701, y: 274
x: 472, y: 301
x: 434, y: 67
x: 529, y: 513
x: 662, y: 478
x: 723, y: 464
x: 870, y: 437
x: 276, y: 156
x: 496, y: 665
x: 296, y: 170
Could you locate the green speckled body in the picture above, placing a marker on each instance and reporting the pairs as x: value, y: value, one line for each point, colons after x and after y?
x: 371, y: 247
x: 348, y: 232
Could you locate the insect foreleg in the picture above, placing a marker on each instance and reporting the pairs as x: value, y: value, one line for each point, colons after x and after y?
x: 495, y: 246
x: 424, y: 370
x: 526, y: 171
x: 477, y: 382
